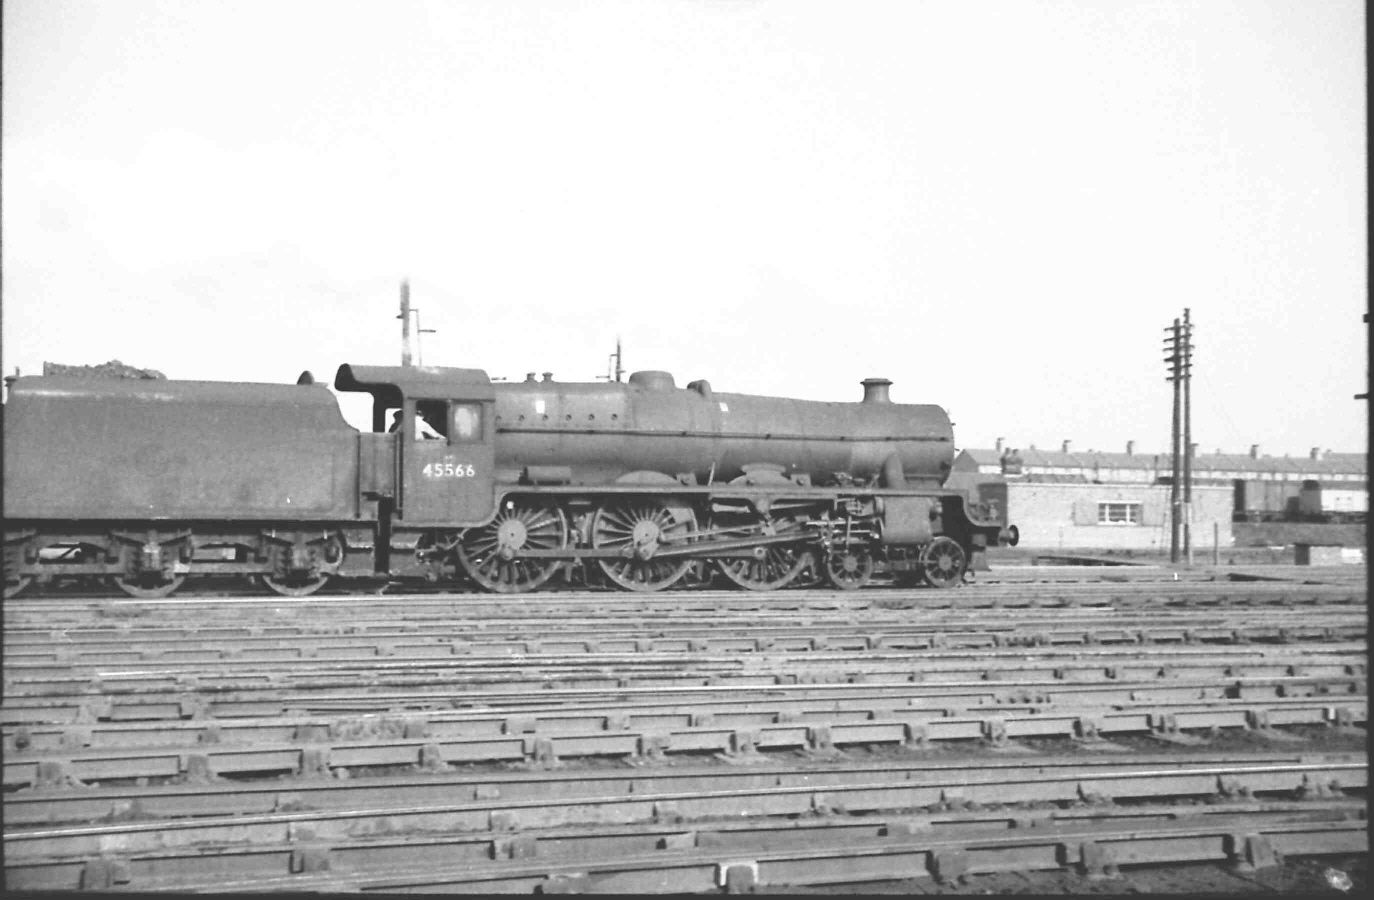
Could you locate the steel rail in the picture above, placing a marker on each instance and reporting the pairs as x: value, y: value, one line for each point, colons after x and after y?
x: 1060, y: 593
x: 750, y: 706
x: 642, y: 653
x: 88, y: 638
x: 369, y: 833
x: 1010, y: 676
x: 184, y: 868
x: 618, y: 738
x: 154, y: 694
x: 200, y: 618
x: 478, y: 815
x: 55, y: 805
x: 68, y: 648
x: 1097, y: 851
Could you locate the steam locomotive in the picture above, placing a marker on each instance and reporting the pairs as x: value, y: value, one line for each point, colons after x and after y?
x: 639, y: 485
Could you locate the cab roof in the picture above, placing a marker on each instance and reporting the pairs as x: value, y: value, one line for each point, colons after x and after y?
x: 432, y: 382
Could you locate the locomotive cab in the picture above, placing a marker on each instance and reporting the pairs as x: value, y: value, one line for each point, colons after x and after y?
x: 430, y: 453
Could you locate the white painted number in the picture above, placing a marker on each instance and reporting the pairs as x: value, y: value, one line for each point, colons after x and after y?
x: 449, y: 469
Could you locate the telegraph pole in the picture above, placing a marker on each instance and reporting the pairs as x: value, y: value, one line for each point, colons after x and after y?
x: 1178, y: 356
x: 613, y: 368
x: 405, y: 323
x: 1187, y: 436
x: 419, y: 349
x: 1175, y: 360
x: 407, y: 311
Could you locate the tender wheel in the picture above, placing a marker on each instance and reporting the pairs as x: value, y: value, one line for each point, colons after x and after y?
x: 15, y: 583
x: 849, y: 568
x: 640, y: 529
x: 295, y: 585
x: 943, y: 562
x: 151, y: 571
x: 149, y: 585
x: 769, y: 567
x: 14, y: 558
x: 435, y: 552
x: 303, y: 583
x: 490, y: 554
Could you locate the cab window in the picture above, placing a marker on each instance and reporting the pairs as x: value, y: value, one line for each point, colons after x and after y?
x: 467, y: 422
x: 431, y: 420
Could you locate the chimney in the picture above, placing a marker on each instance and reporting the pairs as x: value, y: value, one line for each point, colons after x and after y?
x: 1316, y: 453
x: 1130, y: 448
x: 1254, y: 451
x: 548, y: 376
x: 529, y: 378
x: 875, y: 390
x: 999, y: 444
x: 1066, y: 446
x: 1192, y: 450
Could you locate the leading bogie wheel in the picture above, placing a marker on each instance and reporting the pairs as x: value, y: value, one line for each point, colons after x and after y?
x: 640, y: 528
x: 490, y: 553
x: 943, y: 562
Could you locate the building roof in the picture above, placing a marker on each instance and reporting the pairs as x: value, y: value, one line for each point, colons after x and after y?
x: 1328, y: 464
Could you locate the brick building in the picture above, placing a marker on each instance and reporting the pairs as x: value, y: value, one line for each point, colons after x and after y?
x: 1070, y: 499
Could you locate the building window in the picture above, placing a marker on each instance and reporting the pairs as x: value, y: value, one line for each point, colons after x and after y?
x: 1118, y: 513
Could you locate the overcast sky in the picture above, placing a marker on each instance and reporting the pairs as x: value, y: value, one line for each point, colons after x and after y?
x: 997, y: 205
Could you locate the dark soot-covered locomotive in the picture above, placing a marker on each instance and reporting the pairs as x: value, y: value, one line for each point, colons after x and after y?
x: 639, y: 485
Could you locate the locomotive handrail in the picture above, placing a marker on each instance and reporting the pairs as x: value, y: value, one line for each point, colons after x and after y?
x: 727, y: 435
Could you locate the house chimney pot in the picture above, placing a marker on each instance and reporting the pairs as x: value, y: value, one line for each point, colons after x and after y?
x: 1130, y: 448
x: 1316, y: 453
x: 1254, y: 451
x: 999, y: 444
x: 1066, y: 446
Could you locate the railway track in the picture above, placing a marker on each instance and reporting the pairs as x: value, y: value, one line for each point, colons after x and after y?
x: 1037, y: 587
x: 956, y: 818
x: 694, y: 741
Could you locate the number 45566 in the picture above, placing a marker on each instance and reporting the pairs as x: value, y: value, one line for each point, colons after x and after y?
x: 449, y: 470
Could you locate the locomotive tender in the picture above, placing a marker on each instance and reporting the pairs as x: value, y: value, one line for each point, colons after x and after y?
x: 638, y: 485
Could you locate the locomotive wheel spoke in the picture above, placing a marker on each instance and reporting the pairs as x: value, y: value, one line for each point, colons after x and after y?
x: 943, y: 562
x: 642, y: 527
x: 779, y: 565
x: 515, y: 528
x: 849, y: 568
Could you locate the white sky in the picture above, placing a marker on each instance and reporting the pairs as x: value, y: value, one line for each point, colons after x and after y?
x: 998, y: 205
